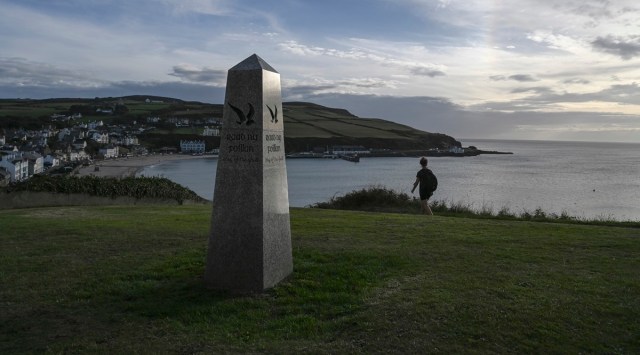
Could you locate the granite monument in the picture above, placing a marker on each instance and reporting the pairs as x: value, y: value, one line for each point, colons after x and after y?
x: 250, y: 240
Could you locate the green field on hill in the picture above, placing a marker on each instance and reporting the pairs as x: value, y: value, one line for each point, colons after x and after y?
x: 306, y: 125
x: 128, y: 279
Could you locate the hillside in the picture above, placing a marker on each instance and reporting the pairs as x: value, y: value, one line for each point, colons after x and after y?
x: 309, y: 125
x: 306, y: 125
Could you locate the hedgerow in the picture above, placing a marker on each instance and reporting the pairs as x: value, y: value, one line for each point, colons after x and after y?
x: 136, y: 187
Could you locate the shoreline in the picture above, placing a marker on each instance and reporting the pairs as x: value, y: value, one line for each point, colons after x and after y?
x: 130, y: 166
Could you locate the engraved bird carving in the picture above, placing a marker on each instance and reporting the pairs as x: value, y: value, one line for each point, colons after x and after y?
x: 274, y: 116
x: 248, y: 117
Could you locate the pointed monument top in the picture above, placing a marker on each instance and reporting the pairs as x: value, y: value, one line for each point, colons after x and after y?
x: 253, y: 63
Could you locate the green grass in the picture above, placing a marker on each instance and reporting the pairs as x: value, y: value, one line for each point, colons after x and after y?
x: 129, y: 280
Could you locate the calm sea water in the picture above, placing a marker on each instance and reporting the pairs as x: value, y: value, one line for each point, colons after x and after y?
x: 589, y: 180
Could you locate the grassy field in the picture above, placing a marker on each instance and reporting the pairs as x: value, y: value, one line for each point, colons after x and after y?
x: 129, y: 280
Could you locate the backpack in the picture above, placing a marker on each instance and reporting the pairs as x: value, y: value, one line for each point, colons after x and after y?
x: 431, y: 181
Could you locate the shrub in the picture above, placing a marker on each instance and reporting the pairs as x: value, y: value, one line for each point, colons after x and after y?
x: 374, y: 198
x: 137, y: 187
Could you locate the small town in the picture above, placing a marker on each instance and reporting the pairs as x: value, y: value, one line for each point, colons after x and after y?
x: 87, y: 134
x: 69, y: 141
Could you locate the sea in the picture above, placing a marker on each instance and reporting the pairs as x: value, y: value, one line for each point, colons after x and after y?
x: 581, y: 179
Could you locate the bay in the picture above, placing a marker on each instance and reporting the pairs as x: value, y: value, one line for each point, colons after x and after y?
x: 582, y: 179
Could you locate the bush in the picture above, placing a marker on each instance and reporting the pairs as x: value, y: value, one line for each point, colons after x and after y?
x: 374, y: 198
x: 137, y: 187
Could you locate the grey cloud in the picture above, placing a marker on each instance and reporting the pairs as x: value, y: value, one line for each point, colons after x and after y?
x: 624, y: 47
x: 576, y: 81
x: 365, y: 83
x: 595, y: 11
x: 522, y: 77
x: 21, y: 78
x: 297, y: 91
x: 440, y: 115
x: 537, y: 90
x: 516, y: 77
x: 545, y: 98
x: 621, y: 94
x: 204, y: 75
x: 178, y: 90
x: 305, y: 90
x: 425, y: 71
x: 431, y: 114
x: 21, y: 72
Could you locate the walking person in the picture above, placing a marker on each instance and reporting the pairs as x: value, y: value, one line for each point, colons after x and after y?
x: 428, y: 184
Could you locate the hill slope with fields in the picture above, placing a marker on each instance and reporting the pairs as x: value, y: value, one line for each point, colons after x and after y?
x: 315, y: 125
x: 306, y: 125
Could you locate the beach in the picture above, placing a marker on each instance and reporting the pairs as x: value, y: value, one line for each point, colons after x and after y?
x: 130, y: 166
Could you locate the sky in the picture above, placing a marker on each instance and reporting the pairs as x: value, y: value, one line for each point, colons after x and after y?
x: 520, y: 69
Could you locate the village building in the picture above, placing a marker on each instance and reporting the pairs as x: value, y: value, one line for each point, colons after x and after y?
x: 211, y: 132
x: 16, y: 165
x: 349, y: 150
x: 99, y: 137
x: 51, y: 161
x: 35, y: 163
x: 187, y: 146
x: 110, y: 151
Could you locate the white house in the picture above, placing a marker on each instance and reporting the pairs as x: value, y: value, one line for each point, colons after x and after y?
x: 15, y: 165
x: 100, y: 137
x: 130, y: 140
x: 192, y: 146
x: 213, y: 131
x: 35, y: 163
x: 110, y: 151
x: 77, y: 155
x: 456, y: 150
x: 51, y: 160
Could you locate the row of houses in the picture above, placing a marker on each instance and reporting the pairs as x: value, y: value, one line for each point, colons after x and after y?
x: 187, y: 122
x: 101, y: 136
x: 192, y: 147
x: 18, y: 166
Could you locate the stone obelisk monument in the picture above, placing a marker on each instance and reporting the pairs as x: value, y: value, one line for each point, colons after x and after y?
x: 250, y: 240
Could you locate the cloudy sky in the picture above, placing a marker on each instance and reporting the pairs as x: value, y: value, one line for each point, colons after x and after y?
x: 521, y: 69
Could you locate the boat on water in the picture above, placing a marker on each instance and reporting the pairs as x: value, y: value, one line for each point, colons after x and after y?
x: 352, y: 158
x: 304, y: 155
